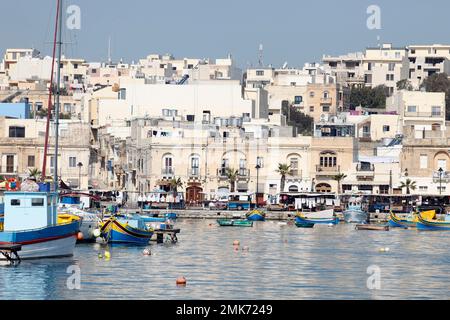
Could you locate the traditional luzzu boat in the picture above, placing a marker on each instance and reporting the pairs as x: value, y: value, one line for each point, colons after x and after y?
x: 31, y: 221
x: 234, y: 223
x: 355, y: 212
x: 305, y: 225
x: 425, y: 224
x: 325, y: 218
x: 256, y: 215
x: 410, y: 221
x: 122, y: 229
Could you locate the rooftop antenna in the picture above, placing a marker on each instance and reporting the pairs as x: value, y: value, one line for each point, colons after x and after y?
x: 109, y: 50
x: 261, y: 55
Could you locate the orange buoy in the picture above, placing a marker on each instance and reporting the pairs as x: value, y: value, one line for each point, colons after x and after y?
x: 80, y: 236
x: 236, y: 243
x: 181, y: 281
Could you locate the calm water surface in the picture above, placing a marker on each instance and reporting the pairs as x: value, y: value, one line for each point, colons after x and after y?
x: 283, y: 262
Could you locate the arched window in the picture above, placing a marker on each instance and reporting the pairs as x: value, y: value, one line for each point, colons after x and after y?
x: 167, y: 165
x: 323, y: 188
x: 326, y: 95
x: 194, y: 165
x: 293, y: 189
x: 328, y: 159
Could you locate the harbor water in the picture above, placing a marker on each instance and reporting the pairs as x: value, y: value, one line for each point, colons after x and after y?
x: 280, y: 261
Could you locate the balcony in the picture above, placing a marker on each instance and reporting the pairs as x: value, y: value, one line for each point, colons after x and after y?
x: 168, y: 172
x: 242, y: 173
x: 365, y: 172
x: 295, y: 176
x: 326, y: 100
x: 444, y: 178
x: 327, y: 171
x: 365, y: 168
x: 193, y: 173
x: 424, y: 114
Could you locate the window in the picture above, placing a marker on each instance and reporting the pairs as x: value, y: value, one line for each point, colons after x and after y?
x: 31, y: 161
x: 328, y: 160
x: 441, y: 189
x: 369, y: 66
x: 312, y: 94
x: 242, y: 167
x: 423, y: 161
x: 260, y: 162
x: 123, y: 94
x: 311, y: 109
x: 259, y: 72
x: 436, y: 111
x: 326, y: 95
x: 10, y: 164
x: 75, y: 66
x: 386, y: 128
x: 72, y: 162
x: 397, y: 55
x: 391, y: 66
x: 15, y: 202
x: 294, y: 167
x: 195, y: 166
x: 412, y: 109
x: 17, y: 132
x: 167, y: 165
x: 389, y: 77
x: 39, y: 202
x: 423, y: 188
x: 442, y: 164
x: 326, y: 108
x: 298, y: 99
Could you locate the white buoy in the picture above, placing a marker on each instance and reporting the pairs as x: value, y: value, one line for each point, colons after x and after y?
x: 97, y: 233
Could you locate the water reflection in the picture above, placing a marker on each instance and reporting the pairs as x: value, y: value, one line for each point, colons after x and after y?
x: 282, y: 262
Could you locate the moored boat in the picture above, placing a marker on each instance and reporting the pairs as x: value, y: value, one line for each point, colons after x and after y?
x: 41, y: 234
x: 256, y: 215
x: 234, y: 223
x: 425, y: 224
x: 372, y: 227
x: 306, y: 225
x: 411, y: 220
x: 121, y: 229
x: 355, y: 212
x: 301, y: 219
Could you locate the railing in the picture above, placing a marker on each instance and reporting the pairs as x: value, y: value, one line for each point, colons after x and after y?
x: 443, y: 177
x: 328, y: 170
x: 361, y: 168
x: 193, y: 172
x: 242, y: 173
x: 168, y: 171
x: 424, y: 114
x: 326, y: 100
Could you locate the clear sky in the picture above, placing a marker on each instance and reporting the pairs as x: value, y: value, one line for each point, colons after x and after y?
x: 295, y: 31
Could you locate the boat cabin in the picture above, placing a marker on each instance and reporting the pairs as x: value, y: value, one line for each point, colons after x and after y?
x: 240, y: 201
x: 30, y: 210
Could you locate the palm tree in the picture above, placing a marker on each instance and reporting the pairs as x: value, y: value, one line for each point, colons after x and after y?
x: 339, y: 177
x: 174, y: 184
x: 34, y: 173
x: 409, y: 185
x: 232, y: 176
x: 283, y: 170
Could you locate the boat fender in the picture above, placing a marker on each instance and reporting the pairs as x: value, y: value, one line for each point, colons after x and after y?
x: 181, y: 281
x: 80, y: 236
x: 236, y: 243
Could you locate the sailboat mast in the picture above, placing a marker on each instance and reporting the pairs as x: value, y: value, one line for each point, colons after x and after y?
x: 58, y: 93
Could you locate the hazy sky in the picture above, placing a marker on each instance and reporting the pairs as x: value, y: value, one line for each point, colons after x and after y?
x: 295, y: 31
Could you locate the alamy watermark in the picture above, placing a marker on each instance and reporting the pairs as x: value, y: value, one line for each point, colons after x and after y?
x: 374, y: 19
x: 74, y: 280
x: 73, y: 21
x: 374, y: 279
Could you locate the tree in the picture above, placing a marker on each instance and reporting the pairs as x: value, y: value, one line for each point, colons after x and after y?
x: 439, y: 82
x: 283, y: 170
x: 369, y: 97
x: 299, y: 120
x: 404, y: 84
x: 232, y: 176
x: 409, y: 185
x: 174, y: 184
x: 339, y: 178
x: 34, y: 173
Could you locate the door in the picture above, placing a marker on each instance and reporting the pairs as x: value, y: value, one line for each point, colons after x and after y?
x: 194, y: 195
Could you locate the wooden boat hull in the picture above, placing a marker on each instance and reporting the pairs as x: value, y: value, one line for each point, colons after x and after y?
x: 371, y: 227
x: 304, y: 225
x: 355, y: 216
x: 300, y: 220
x: 234, y: 223
x: 395, y: 222
x: 115, y: 232
x: 427, y: 225
x: 256, y: 216
x: 51, y: 242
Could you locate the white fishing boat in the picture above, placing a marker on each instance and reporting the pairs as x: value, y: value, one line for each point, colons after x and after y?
x: 316, y: 205
x: 355, y: 212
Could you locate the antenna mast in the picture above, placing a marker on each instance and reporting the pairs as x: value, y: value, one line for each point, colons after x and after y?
x: 261, y: 55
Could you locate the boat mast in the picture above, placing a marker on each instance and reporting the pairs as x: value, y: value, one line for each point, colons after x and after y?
x: 58, y: 92
x: 50, y: 93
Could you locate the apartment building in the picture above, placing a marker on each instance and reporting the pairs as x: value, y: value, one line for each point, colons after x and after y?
x: 426, y: 60
x: 348, y: 69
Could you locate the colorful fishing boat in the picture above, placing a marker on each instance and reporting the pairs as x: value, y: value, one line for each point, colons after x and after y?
x: 306, y: 225
x: 40, y: 232
x: 121, y: 229
x: 355, y: 212
x: 411, y: 220
x: 300, y: 218
x: 234, y: 223
x: 433, y: 225
x: 256, y: 215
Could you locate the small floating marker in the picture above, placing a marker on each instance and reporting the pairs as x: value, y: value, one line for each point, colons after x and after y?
x: 245, y: 248
x: 385, y: 249
x: 107, y: 255
x: 80, y: 236
x: 331, y: 225
x: 147, y: 252
x: 236, y: 243
x: 181, y: 281
x: 100, y: 256
x: 97, y: 233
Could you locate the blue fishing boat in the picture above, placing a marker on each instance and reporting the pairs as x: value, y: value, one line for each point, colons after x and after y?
x: 171, y: 216
x: 256, y: 215
x: 122, y: 229
x: 410, y: 221
x: 301, y: 219
x: 355, y: 212
x: 433, y: 225
x: 40, y: 232
x: 307, y: 225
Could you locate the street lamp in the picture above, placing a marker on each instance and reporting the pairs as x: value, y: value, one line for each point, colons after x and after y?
x: 79, y: 165
x: 440, y: 180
